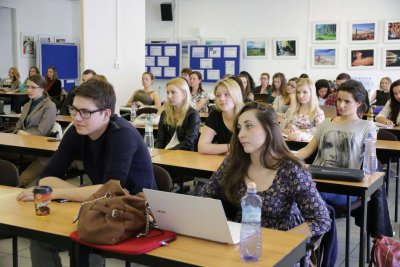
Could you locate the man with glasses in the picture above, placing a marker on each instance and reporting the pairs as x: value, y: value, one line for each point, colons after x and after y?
x: 111, y: 148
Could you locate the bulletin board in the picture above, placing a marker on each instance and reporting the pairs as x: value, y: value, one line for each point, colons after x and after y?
x: 163, y: 60
x: 215, y: 61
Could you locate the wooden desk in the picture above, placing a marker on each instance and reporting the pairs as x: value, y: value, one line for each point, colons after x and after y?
x: 279, y: 248
x: 64, y: 120
x: 34, y: 145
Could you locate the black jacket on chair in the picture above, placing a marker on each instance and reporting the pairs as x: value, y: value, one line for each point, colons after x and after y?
x: 187, y: 134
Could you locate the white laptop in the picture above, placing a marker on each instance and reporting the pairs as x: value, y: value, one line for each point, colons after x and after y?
x: 193, y: 216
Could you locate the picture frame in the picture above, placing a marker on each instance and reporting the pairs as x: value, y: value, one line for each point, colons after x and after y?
x: 28, y: 44
x: 363, y: 32
x: 324, y: 57
x: 255, y: 48
x: 391, y: 58
x: 44, y: 38
x: 213, y: 41
x: 325, y: 32
x: 392, y: 31
x: 158, y: 40
x: 364, y: 58
x: 286, y: 48
x: 185, y: 43
x: 60, y: 39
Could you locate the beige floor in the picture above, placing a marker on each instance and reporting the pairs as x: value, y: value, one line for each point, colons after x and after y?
x: 24, y: 254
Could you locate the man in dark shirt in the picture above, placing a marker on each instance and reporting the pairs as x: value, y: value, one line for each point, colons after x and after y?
x: 111, y: 148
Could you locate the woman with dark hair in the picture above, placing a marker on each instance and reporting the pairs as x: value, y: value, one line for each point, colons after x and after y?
x: 199, y: 96
x: 264, y: 86
x: 53, y: 83
x: 343, y: 135
x: 259, y: 154
x: 278, y: 85
x: 323, y: 90
x: 246, y: 91
x: 250, y: 79
x: 389, y: 115
x: 32, y: 71
x: 39, y: 114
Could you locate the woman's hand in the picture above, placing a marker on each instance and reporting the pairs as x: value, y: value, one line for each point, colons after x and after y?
x: 389, y: 123
x: 139, y: 104
x: 22, y: 132
x: 291, y: 128
x: 26, y: 195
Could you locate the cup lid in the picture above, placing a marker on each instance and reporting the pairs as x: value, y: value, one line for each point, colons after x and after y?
x: 42, y: 189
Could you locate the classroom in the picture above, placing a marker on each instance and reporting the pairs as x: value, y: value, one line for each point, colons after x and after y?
x: 261, y: 36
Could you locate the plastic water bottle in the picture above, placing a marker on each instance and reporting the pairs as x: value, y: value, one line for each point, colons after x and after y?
x: 369, y: 161
x: 148, y: 133
x: 250, y: 232
x: 133, y: 111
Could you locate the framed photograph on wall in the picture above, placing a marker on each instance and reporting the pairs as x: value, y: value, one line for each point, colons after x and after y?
x: 392, y: 31
x: 364, y: 58
x: 324, y: 57
x: 28, y: 44
x: 185, y: 43
x: 213, y: 41
x: 363, y: 32
x: 391, y: 58
x: 255, y: 48
x: 325, y: 32
x: 286, y: 48
x: 44, y: 38
x: 158, y: 41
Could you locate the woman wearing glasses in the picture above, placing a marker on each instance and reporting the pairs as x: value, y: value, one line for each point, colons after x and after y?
x: 288, y: 97
x: 179, y: 122
x: 39, y: 114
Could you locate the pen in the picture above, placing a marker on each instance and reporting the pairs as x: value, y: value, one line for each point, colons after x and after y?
x: 165, y: 241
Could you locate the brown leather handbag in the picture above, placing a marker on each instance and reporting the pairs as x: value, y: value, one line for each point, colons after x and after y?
x: 110, y: 216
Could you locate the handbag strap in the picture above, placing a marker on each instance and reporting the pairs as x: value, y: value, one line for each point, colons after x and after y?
x: 148, y: 221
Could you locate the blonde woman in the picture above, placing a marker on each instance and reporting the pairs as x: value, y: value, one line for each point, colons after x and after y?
x: 179, y: 122
x: 288, y: 97
x: 146, y: 97
x: 12, y: 82
x: 301, y: 120
x: 217, y: 132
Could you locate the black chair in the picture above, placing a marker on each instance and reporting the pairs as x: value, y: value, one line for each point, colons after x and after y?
x: 146, y: 110
x: 10, y: 177
x: 163, y: 179
x: 384, y: 157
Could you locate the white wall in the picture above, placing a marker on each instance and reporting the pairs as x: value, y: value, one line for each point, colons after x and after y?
x: 236, y: 20
x: 101, y: 47
x: 6, y: 42
x: 52, y: 17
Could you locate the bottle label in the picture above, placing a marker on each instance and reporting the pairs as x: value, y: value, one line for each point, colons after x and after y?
x: 251, y: 214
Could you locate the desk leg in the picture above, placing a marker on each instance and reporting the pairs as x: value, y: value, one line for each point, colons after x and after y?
x: 347, y: 251
x: 79, y: 255
x: 363, y: 230
x: 396, y: 200
x: 387, y: 176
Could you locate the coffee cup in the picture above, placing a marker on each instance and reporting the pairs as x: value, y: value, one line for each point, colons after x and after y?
x: 42, y: 198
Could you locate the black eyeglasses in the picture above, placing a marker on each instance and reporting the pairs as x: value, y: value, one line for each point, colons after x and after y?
x: 85, y: 114
x: 31, y: 87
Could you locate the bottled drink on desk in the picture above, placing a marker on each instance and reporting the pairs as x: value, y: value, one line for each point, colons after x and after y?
x: 370, y: 161
x: 370, y: 114
x: 250, y: 232
x: 133, y: 111
x: 148, y: 133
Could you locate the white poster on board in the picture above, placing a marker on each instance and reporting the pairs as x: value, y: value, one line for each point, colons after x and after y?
x: 155, y: 50
x: 206, y: 63
x: 170, y: 51
x: 169, y: 72
x: 230, y: 67
x: 213, y: 74
x: 156, y: 71
x: 163, y: 61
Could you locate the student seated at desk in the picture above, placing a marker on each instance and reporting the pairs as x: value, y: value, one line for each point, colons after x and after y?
x: 179, y: 122
x: 302, y: 119
x: 32, y: 71
x: 288, y: 97
x: 111, y: 147
x: 259, y: 154
x: 216, y: 134
x: 390, y: 114
x: 340, y: 141
x: 11, y: 83
x: 278, y: 85
x: 247, y: 94
x: 199, y: 97
x: 53, y: 83
x: 146, y: 97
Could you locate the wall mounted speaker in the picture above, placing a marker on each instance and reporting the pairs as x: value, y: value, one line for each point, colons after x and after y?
x: 166, y: 12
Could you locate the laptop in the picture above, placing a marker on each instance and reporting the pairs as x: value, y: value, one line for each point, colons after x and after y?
x: 261, y: 98
x: 192, y: 216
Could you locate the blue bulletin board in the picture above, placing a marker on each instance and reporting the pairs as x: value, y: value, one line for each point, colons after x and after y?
x: 215, y: 61
x: 64, y: 57
x: 163, y: 60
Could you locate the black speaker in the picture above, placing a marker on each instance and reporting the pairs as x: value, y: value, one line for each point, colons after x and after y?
x: 166, y: 11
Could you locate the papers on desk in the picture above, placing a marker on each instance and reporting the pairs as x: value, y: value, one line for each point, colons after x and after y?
x: 382, y: 125
x: 140, y: 121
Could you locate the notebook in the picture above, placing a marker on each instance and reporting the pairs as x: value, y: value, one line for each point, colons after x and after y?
x: 261, y: 98
x: 192, y: 216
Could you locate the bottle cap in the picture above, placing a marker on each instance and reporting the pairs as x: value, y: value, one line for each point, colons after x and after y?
x: 251, y: 186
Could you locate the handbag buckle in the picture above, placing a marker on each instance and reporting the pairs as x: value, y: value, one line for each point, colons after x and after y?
x: 116, y: 213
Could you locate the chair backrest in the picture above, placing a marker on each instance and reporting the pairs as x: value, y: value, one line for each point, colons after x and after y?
x: 56, y: 131
x: 329, y: 111
x: 384, y: 135
x: 163, y: 178
x: 146, y: 110
x: 9, y: 173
